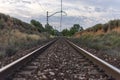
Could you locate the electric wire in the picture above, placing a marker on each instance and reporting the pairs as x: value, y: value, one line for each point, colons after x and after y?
x: 41, y: 6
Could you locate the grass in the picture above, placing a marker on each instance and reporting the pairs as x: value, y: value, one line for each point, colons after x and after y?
x: 13, y: 40
x: 17, y: 35
x: 109, y: 42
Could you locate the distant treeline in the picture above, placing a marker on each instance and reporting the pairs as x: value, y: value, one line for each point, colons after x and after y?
x: 70, y: 32
x: 48, y: 28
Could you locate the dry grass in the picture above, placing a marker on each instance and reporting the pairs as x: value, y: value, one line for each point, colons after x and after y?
x: 24, y: 36
x: 117, y: 29
x: 16, y: 35
x: 13, y: 40
x: 99, y: 32
x: 108, y: 42
x: 34, y: 37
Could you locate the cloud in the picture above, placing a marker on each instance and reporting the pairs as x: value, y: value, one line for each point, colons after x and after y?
x: 85, y: 12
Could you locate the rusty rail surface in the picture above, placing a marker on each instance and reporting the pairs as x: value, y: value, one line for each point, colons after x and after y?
x: 9, y: 69
x: 108, y: 68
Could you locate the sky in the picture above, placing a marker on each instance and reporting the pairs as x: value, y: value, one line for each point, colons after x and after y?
x: 84, y: 12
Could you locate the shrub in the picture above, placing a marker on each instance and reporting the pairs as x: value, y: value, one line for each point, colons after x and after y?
x: 10, y: 51
x: 1, y: 24
x: 97, y: 27
x: 105, y: 27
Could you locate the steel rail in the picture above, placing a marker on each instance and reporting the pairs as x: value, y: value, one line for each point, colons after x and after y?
x: 108, y: 68
x: 9, y: 69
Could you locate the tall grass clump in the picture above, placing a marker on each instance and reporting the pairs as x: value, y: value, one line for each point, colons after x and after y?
x: 13, y: 40
x: 109, y: 42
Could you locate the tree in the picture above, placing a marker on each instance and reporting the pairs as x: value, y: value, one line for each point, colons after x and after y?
x: 75, y: 28
x: 56, y: 32
x: 72, y: 31
x: 105, y: 27
x: 65, y: 32
x: 38, y: 25
x: 49, y: 29
x: 1, y: 25
x: 97, y: 27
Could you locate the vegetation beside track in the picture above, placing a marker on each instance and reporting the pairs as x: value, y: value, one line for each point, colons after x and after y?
x: 17, y: 35
x: 109, y: 43
x: 101, y: 37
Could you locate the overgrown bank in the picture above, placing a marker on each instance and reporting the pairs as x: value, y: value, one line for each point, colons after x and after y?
x: 17, y: 35
x: 14, y: 40
x: 109, y: 43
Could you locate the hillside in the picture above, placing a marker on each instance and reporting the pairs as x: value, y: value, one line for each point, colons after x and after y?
x: 102, y: 37
x: 7, y: 22
x: 98, y: 29
x: 16, y: 35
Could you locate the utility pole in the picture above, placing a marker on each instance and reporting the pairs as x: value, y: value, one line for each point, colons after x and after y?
x: 61, y: 11
x: 47, y: 18
x: 61, y: 17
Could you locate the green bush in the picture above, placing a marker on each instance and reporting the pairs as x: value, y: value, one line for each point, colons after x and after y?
x: 10, y: 51
x: 105, y: 27
x: 1, y: 24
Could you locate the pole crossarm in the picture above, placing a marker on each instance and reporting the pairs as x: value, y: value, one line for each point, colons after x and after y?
x: 48, y: 16
x: 54, y: 14
x: 64, y: 13
x: 58, y: 12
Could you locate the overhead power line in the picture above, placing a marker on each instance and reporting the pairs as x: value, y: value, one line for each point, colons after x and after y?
x: 41, y: 6
x: 61, y: 12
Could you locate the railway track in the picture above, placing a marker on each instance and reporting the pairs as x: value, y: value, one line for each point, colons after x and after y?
x: 59, y: 60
